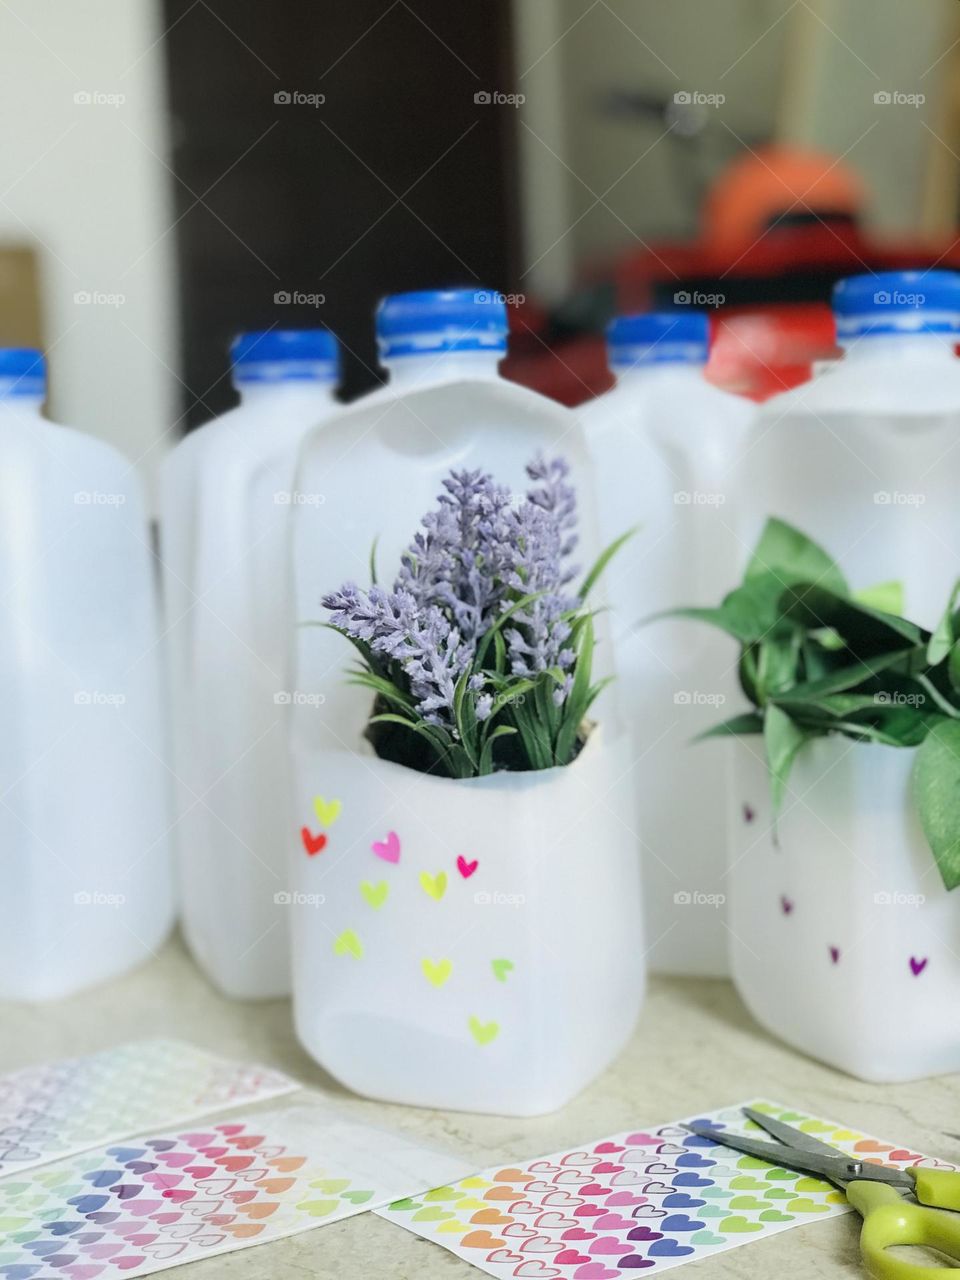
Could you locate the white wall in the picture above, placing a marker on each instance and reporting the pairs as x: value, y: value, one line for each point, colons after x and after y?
x: 571, y: 54
x: 854, y: 50
x: 788, y: 71
x: 85, y: 183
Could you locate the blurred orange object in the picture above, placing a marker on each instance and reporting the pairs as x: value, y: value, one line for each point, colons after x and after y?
x: 778, y: 184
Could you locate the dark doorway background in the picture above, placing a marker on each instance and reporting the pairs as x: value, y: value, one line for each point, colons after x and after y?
x: 400, y: 179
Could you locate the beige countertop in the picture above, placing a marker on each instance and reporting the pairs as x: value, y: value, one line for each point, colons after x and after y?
x: 696, y: 1048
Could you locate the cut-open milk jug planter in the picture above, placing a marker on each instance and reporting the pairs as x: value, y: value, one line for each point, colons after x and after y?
x: 468, y: 883
x: 845, y: 849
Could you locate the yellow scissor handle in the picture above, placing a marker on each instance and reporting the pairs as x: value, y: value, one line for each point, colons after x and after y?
x: 888, y: 1220
x: 939, y: 1188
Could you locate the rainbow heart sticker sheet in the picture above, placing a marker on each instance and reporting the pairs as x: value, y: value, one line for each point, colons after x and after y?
x: 59, y: 1108
x: 640, y: 1201
x: 150, y: 1203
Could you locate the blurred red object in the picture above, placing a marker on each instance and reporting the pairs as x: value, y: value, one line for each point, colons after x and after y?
x: 568, y: 369
x: 760, y: 353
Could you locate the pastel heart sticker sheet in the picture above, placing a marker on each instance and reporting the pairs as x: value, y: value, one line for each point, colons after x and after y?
x: 150, y: 1203
x: 639, y: 1201
x: 59, y: 1108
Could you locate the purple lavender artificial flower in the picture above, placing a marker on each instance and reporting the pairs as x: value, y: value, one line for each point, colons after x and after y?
x: 459, y: 563
x: 475, y: 555
x: 558, y: 497
x: 393, y: 626
x: 542, y: 539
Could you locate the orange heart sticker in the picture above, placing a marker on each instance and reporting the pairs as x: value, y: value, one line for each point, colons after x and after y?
x: 263, y: 1210
x: 491, y: 1216
x: 480, y: 1240
x: 276, y: 1186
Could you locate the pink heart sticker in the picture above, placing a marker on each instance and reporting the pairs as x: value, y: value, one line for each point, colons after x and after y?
x: 606, y: 1244
x: 389, y: 849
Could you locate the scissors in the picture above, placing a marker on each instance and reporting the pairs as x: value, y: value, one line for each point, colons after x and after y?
x: 874, y: 1190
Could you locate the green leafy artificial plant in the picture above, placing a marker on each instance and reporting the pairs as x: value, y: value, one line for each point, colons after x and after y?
x: 818, y: 658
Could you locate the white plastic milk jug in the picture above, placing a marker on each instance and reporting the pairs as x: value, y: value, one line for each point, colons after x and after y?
x: 84, y: 819
x: 227, y: 494
x: 664, y: 443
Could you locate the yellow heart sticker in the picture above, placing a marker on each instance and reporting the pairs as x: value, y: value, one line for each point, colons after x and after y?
x: 348, y: 944
x: 436, y: 971
x: 327, y: 811
x: 483, y: 1032
x: 375, y: 894
x: 436, y: 885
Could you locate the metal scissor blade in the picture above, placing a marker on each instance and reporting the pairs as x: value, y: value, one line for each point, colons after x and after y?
x: 835, y: 1167
x: 775, y: 1153
x: 787, y: 1134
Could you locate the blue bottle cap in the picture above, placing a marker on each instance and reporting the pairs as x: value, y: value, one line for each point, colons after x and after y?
x: 658, y: 337
x: 441, y: 321
x: 285, y: 355
x: 897, y: 302
x: 23, y: 372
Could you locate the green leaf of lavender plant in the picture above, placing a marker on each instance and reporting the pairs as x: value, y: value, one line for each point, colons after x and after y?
x: 499, y: 653
x: 465, y: 716
x: 578, y: 699
x: 936, y: 793
x: 603, y: 560
x: 441, y: 743
x: 511, y: 692
x: 547, y: 710
x: 596, y: 690
x: 383, y: 687
x: 536, y: 741
x: 486, y: 754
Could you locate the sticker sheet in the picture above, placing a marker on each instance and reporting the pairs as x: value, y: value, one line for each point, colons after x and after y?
x: 58, y: 1108
x: 640, y: 1201
x: 150, y: 1203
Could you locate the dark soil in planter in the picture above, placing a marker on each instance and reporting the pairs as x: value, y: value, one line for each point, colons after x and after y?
x: 402, y: 746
